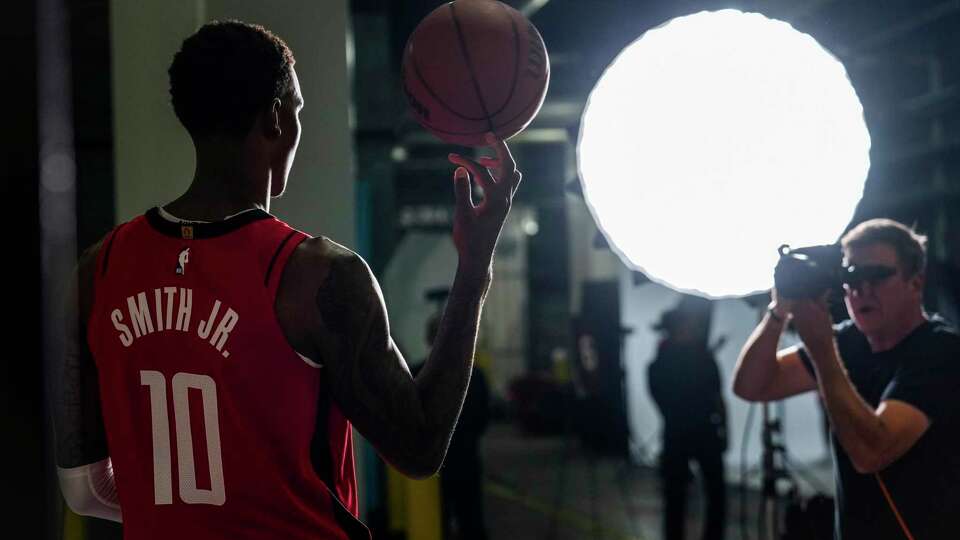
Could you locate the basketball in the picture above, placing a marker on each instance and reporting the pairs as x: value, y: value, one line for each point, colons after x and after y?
x: 472, y: 67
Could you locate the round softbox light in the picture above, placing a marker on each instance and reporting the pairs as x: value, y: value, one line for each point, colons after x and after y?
x: 715, y: 138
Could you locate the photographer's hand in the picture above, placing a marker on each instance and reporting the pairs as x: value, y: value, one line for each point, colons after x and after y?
x: 763, y: 373
x: 811, y: 318
x: 781, y: 307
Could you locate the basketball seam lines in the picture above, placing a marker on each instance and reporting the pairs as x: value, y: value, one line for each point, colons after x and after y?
x: 527, y: 107
x: 466, y: 58
x: 516, y: 61
x: 533, y: 102
x: 451, y: 110
x: 416, y: 71
x: 535, y: 98
x: 516, y: 71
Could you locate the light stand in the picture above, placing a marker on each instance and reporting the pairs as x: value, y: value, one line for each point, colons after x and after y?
x: 770, y: 522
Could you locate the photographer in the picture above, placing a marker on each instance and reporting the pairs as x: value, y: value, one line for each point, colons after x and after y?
x: 890, y: 380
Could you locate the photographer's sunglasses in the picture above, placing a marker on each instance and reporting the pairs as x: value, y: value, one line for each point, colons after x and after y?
x: 854, y: 276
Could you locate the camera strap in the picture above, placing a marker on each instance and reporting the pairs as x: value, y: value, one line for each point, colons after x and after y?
x: 886, y: 494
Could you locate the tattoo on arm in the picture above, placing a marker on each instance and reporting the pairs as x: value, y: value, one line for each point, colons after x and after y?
x: 80, y: 436
x: 408, y: 420
x: 368, y: 376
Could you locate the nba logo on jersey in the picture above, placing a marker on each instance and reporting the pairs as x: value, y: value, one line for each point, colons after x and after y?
x: 182, y: 261
x: 186, y: 231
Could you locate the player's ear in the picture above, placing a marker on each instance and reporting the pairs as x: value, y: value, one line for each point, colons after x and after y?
x: 917, y: 283
x: 270, y: 120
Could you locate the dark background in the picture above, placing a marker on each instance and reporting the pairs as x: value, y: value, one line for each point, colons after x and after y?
x: 902, y: 57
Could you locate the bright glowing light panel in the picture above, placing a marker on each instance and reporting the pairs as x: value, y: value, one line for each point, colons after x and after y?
x: 715, y: 138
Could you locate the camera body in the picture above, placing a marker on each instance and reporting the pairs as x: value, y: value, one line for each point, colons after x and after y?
x: 808, y: 272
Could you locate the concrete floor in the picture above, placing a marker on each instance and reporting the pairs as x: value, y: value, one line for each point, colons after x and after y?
x: 549, y: 488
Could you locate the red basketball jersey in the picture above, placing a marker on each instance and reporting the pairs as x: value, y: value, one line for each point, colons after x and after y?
x: 217, y: 428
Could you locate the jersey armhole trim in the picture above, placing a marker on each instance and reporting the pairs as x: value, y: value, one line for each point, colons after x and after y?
x: 106, y: 254
x: 281, y: 257
x: 308, y: 361
x: 273, y: 260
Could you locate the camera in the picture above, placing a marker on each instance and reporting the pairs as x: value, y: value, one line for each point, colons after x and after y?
x: 808, y: 272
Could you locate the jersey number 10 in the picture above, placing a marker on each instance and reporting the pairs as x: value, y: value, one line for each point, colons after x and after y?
x: 162, y: 475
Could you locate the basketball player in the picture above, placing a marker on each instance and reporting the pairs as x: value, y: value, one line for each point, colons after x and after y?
x: 222, y: 356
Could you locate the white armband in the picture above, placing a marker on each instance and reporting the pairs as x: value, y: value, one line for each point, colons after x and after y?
x: 90, y: 490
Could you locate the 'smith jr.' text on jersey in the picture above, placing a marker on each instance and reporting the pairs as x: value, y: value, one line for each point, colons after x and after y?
x: 171, y: 311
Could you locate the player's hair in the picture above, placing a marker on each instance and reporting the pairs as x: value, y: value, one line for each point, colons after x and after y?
x: 911, y: 247
x: 225, y: 74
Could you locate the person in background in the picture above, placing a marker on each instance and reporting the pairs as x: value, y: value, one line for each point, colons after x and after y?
x: 461, y: 478
x: 684, y: 381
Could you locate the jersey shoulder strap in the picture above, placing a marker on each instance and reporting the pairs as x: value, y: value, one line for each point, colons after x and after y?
x: 278, y: 261
x: 103, y: 257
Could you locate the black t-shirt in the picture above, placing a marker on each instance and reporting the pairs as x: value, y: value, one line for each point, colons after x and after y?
x: 922, y: 370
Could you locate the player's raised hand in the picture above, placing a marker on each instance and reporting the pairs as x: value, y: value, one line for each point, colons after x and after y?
x: 477, y: 226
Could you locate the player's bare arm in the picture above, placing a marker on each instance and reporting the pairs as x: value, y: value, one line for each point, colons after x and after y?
x: 345, y: 328
x: 82, y: 456
x: 409, y: 421
x: 331, y: 300
x: 80, y: 438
